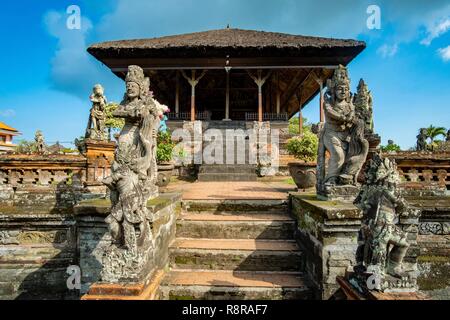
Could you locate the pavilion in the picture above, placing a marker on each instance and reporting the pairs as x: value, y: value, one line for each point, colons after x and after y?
x: 232, y: 74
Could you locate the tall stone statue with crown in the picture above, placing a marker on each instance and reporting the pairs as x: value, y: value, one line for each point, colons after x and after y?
x: 132, y: 183
x: 342, y: 137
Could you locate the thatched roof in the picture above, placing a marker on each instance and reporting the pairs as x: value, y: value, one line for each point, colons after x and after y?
x: 235, y: 42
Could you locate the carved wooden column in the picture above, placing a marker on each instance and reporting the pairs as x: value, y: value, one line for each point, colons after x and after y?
x: 259, y: 80
x: 193, y: 81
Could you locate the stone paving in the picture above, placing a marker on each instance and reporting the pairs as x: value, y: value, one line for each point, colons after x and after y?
x: 248, y: 190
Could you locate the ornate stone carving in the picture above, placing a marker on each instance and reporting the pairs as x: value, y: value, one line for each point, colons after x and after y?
x: 422, y: 140
x: 96, y: 128
x: 39, y: 142
x: 448, y: 136
x: 342, y: 135
x: 364, y: 105
x: 132, y: 183
x: 383, y: 243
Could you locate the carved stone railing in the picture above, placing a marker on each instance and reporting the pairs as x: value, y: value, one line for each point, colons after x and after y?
x: 267, y: 116
x: 423, y: 170
x: 58, y: 178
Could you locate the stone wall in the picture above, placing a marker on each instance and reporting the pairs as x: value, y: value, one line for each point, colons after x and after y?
x: 93, y: 233
x: 38, y: 241
x: 328, y: 234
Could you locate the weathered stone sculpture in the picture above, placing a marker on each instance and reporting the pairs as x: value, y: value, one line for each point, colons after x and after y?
x: 422, y: 140
x: 383, y: 244
x: 96, y: 124
x: 342, y: 136
x: 132, y: 183
x: 40, y: 145
x: 448, y: 136
x: 364, y: 105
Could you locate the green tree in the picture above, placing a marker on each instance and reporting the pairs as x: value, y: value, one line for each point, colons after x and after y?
x: 294, y: 125
x: 25, y: 146
x: 113, y: 123
x: 433, y: 132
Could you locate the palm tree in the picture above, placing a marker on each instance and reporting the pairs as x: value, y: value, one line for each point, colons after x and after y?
x: 433, y: 132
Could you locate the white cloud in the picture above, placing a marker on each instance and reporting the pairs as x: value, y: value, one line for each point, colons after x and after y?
x: 445, y: 53
x: 73, y: 70
x: 435, y: 30
x: 388, y: 51
x: 7, y: 113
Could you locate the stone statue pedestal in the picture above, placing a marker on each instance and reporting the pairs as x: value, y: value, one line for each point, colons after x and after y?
x: 100, y: 156
x: 147, y: 290
x: 348, y: 292
x: 346, y: 193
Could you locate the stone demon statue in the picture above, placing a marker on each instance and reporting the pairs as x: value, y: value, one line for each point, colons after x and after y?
x: 342, y: 134
x: 383, y: 244
x: 422, y: 140
x: 132, y: 181
x: 39, y: 142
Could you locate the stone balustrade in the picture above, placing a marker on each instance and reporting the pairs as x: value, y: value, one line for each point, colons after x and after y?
x: 423, y: 170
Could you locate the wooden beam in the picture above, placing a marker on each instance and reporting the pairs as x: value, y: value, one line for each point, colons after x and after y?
x: 260, y: 80
x: 296, y: 81
x: 193, y: 81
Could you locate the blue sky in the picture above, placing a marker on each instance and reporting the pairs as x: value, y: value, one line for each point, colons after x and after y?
x: 47, y: 74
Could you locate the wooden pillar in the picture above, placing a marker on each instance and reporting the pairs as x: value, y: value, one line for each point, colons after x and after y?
x: 193, y: 81
x: 177, y: 93
x: 322, y: 114
x: 278, y: 94
x: 300, y: 116
x: 259, y: 80
x: 227, y: 96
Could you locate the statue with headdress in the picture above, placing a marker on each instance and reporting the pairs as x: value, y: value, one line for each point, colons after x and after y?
x: 97, y: 117
x: 132, y: 181
x: 422, y: 140
x: 382, y: 243
x: 342, y: 136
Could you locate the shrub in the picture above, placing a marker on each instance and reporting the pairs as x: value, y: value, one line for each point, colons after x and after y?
x: 304, y: 147
x: 165, y: 147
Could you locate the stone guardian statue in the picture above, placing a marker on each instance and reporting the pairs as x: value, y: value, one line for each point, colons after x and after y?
x: 383, y: 244
x: 97, y: 117
x: 132, y: 183
x: 342, y: 136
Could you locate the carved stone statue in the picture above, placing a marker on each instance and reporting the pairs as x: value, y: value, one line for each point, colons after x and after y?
x: 364, y: 105
x: 96, y: 124
x: 40, y: 145
x: 383, y: 244
x: 422, y: 140
x: 132, y: 183
x: 448, y: 136
x: 342, y: 136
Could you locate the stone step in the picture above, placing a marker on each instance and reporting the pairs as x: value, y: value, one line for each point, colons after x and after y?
x: 227, y: 177
x: 235, y: 254
x: 240, y: 216
x: 225, y: 284
x: 236, y: 229
x: 235, y: 206
x: 228, y: 168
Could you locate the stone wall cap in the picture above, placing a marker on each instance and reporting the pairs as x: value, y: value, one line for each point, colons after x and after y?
x: 331, y: 210
x: 101, y: 206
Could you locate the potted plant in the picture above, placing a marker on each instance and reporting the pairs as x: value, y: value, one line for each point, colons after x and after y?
x: 303, y: 148
x: 164, y: 156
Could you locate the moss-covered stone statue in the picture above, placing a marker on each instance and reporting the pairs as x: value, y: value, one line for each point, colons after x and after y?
x: 383, y: 243
x: 342, y: 136
x: 132, y: 183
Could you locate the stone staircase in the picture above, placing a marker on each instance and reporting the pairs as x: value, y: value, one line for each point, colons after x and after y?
x: 235, y: 250
x: 227, y: 172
